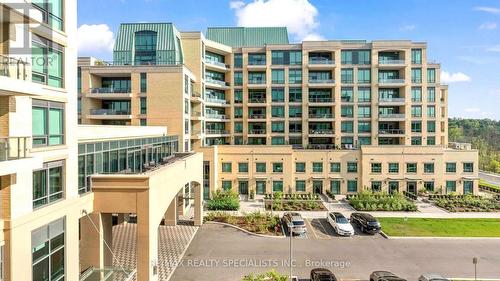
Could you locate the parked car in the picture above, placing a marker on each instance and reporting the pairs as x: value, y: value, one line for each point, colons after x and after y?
x: 322, y: 274
x: 366, y: 222
x: 295, y: 219
x: 340, y: 224
x: 385, y: 276
x: 432, y: 277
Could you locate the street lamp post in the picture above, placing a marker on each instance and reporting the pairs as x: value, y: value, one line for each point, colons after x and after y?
x: 474, y: 261
x: 291, y: 252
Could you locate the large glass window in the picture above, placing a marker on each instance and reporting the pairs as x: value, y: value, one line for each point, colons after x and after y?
x: 226, y: 185
x: 317, y: 167
x: 468, y: 167
x: 429, y: 168
x: 47, y: 62
x: 364, y: 111
x: 347, y: 94
x: 411, y: 167
x: 416, y: 94
x: 431, y: 94
x: 352, y: 167
x: 451, y: 186
x: 364, y: 75
x: 352, y: 186
x: 278, y: 167
x: 243, y: 167
x: 335, y: 167
x: 347, y: 76
x: 416, y: 56
x: 47, y: 244
x: 431, y: 75
x: 451, y: 167
x: 47, y: 123
x: 238, y: 78
x: 393, y: 168
x: 364, y: 94
x: 226, y: 167
x: 416, y: 75
x: 144, y: 106
x: 300, y: 167
x: 238, y: 60
x: 145, y: 48
x: 364, y: 127
x: 278, y: 76
x: 300, y: 186
x: 278, y: 94
x: 376, y: 168
x: 260, y: 167
x: 295, y: 94
x: 52, y: 12
x: 294, y: 76
x: 277, y: 186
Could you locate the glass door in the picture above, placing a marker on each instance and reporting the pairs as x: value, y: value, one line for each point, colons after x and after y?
x: 318, y: 187
x: 411, y: 187
x: 243, y: 187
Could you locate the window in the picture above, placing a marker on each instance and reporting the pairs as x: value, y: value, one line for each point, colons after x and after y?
x: 243, y: 167
x: 431, y: 111
x: 186, y: 82
x: 278, y: 127
x: 364, y: 76
x: 144, y: 82
x: 393, y: 168
x: 317, y: 167
x: 335, y: 186
x: 431, y: 94
x: 145, y: 48
x: 346, y: 111
x: 260, y: 187
x: 286, y: 57
x: 300, y: 186
x: 295, y: 94
x: 468, y: 187
x: 364, y: 140
x: 277, y: 186
x: 416, y: 140
x: 238, y: 127
x: 238, y: 78
x: 364, y: 111
x: 278, y: 140
x: 416, y: 75
x: 346, y: 57
x: 416, y: 56
x: 416, y: 94
x: 238, y: 140
x: 416, y: 126
x: 347, y: 76
x: 294, y: 76
x: 364, y: 94
x: 352, y: 167
x: 393, y: 187
x: 300, y: 167
x: 227, y: 167
x: 278, y: 111
x: 376, y: 186
x: 238, y: 112
x: 238, y: 96
x: 295, y: 57
x: 278, y: 94
x: 47, y: 255
x: 47, y: 62
x: 364, y: 127
x: 431, y: 75
x: 278, y: 76
x: 256, y: 58
x: 411, y: 167
x: 278, y: 57
x: 355, y: 57
x: 346, y: 94
x: 429, y: 168
x: 451, y: 167
x: 52, y: 12
x: 238, y: 60
x: 48, y: 184
x: 431, y: 126
x: 277, y: 167
x: 346, y: 126
x: 416, y: 111
x: 295, y: 111
x: 260, y: 167
x: 468, y: 167
x: 226, y: 185
x: 451, y: 186
x: 256, y: 78
x: 431, y: 140
x: 143, y: 122
x: 376, y: 168
x: 144, y: 106
x: 47, y: 123
x: 335, y: 167
x: 352, y: 186
x: 429, y: 186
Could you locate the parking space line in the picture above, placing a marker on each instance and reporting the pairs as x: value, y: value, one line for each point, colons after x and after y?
x: 324, y: 229
x: 312, y: 228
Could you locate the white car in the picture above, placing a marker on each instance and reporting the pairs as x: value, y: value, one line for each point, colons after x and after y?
x: 432, y: 277
x: 340, y: 224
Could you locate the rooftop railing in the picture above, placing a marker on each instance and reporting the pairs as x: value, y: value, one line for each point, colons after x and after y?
x: 12, y: 148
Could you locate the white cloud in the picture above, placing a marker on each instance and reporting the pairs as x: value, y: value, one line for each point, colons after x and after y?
x: 299, y: 16
x: 95, y: 38
x: 472, y: 109
x: 488, y: 26
x: 493, y: 48
x: 491, y: 10
x: 447, y: 77
x: 408, y: 27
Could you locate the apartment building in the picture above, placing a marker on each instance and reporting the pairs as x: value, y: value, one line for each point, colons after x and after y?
x: 253, y: 89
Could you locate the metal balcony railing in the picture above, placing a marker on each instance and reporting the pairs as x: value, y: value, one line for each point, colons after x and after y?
x: 12, y: 148
x: 321, y: 131
x: 257, y: 81
x: 391, y: 132
x: 257, y: 100
x: 391, y: 61
x: 257, y: 131
x: 321, y: 61
x: 256, y: 62
x: 391, y: 100
x: 321, y: 81
x: 216, y: 100
x: 216, y: 132
x: 391, y: 81
x: 216, y: 63
x: 109, y: 112
x: 320, y: 99
x: 215, y: 116
x: 216, y: 82
x: 391, y: 115
x: 110, y: 90
x: 13, y: 68
x: 320, y: 115
x: 257, y: 116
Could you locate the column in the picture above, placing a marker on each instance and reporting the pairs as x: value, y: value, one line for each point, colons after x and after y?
x: 93, y: 251
x: 171, y: 214
x: 147, y: 242
x: 198, y: 204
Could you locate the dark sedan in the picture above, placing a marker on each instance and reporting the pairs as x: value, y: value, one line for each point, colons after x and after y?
x: 365, y: 222
x: 322, y: 274
x: 385, y: 276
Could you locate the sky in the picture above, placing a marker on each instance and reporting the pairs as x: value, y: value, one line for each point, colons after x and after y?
x: 463, y: 35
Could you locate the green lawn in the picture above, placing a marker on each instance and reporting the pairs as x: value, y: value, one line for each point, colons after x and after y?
x: 441, y: 227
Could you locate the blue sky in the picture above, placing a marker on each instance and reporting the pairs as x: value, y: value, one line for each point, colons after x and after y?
x: 463, y: 35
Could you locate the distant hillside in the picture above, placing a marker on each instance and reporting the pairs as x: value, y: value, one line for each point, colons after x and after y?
x: 484, y: 134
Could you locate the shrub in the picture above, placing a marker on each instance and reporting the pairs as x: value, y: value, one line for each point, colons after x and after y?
x: 224, y: 201
x: 271, y: 275
x: 381, y: 201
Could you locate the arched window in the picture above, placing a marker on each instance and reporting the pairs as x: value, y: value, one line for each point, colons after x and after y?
x: 145, y: 47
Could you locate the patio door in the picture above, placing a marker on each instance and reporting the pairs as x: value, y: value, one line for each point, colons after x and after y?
x: 393, y: 187
x: 243, y: 187
x: 318, y: 187
x: 411, y: 187
x: 260, y: 187
x: 335, y: 187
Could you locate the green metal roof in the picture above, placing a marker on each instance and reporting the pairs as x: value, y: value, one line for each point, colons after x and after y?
x: 248, y: 36
x: 168, y: 44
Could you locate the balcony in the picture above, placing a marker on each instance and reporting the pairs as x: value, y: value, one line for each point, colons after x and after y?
x: 391, y: 116
x: 196, y: 96
x: 216, y: 65
x: 13, y: 68
x: 216, y: 132
x: 391, y: 101
x: 15, y: 78
x: 391, y: 81
x: 255, y: 83
x: 110, y: 93
x: 257, y: 116
x: 321, y: 82
x: 320, y: 100
x: 321, y: 132
x: 210, y: 82
x: 13, y: 148
x: 321, y: 63
x: 257, y: 100
x: 256, y: 64
x: 110, y: 114
x: 215, y: 116
x: 216, y: 101
x: 391, y: 63
x: 320, y: 116
x: 257, y: 131
x: 391, y: 132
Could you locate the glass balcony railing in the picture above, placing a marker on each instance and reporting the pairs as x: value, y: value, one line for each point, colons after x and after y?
x: 109, y: 112
x: 390, y: 99
x: 216, y: 132
x: 320, y: 99
x: 320, y: 115
x: 321, y: 61
x: 12, y: 148
x: 257, y: 81
x: 257, y: 100
x: 391, y: 131
x: 216, y: 82
x: 257, y: 131
x: 110, y: 90
x: 216, y: 63
x: 321, y: 81
x: 391, y: 115
x: 13, y: 68
x: 320, y: 131
x: 257, y: 116
x: 215, y: 116
x: 216, y: 100
x: 391, y: 81
x: 391, y: 61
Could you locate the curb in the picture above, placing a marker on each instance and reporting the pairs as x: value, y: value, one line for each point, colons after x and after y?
x: 436, y: 237
x: 244, y: 230
x: 384, y: 235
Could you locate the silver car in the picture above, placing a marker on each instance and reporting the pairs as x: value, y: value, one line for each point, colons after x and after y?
x: 296, y: 222
x: 432, y: 277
